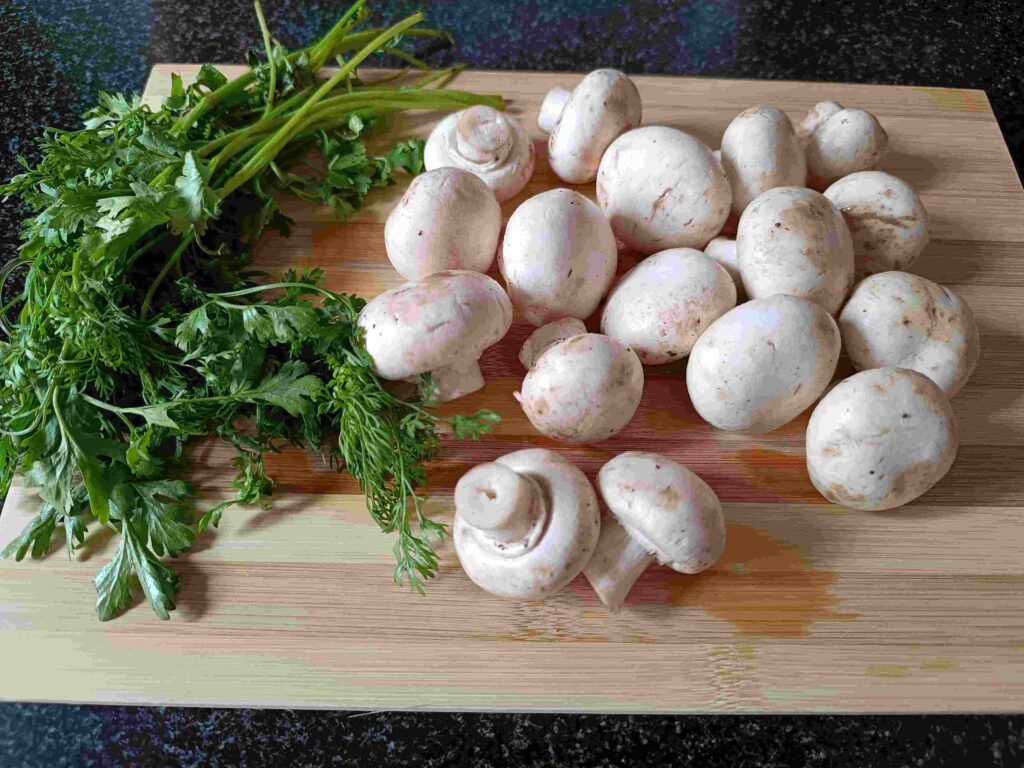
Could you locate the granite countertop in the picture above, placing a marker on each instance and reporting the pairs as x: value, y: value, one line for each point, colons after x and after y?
x: 54, y: 56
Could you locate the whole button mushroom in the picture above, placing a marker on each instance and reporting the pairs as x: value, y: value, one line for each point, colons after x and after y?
x: 723, y: 250
x: 558, y: 257
x: 760, y: 151
x: 583, y: 389
x: 525, y: 524
x: 887, y: 220
x: 793, y: 240
x: 662, y: 188
x: 491, y: 144
x: 659, y: 510
x: 662, y: 305
x: 439, y: 325
x: 880, y: 439
x: 763, y: 363
x: 899, y: 320
x: 842, y: 141
x: 601, y: 108
x: 447, y: 219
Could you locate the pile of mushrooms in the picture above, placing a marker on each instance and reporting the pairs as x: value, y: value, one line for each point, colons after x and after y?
x: 817, y: 263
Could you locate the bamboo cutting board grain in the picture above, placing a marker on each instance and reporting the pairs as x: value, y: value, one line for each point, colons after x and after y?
x: 811, y: 608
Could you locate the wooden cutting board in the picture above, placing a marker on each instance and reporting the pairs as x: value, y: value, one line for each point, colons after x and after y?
x: 812, y: 607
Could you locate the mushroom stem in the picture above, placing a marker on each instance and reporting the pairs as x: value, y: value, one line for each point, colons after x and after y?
x: 552, y: 108
x: 500, y: 501
x: 483, y: 135
x: 617, y: 563
x: 458, y: 379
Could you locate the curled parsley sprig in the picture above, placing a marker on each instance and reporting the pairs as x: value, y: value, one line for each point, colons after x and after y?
x: 144, y: 327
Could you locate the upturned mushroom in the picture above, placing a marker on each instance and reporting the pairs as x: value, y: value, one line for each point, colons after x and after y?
x: 661, y: 306
x: 583, y: 389
x: 841, y: 141
x: 662, y: 188
x: 558, y: 257
x: 760, y: 151
x: 899, y: 320
x: 439, y: 325
x: 761, y: 364
x: 793, y: 240
x: 886, y: 218
x: 586, y: 121
x: 491, y: 144
x: 525, y: 524
x: 658, y: 510
x: 880, y: 439
x: 723, y: 250
x: 447, y: 219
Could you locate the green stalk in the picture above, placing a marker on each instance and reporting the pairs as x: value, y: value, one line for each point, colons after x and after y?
x: 268, y: 43
x: 170, y: 264
x: 283, y: 136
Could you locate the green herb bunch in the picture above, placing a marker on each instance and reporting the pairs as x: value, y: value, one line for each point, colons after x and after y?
x: 144, y: 326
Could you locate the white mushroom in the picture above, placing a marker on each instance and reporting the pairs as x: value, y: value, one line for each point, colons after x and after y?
x: 439, y: 325
x: 447, y: 219
x: 793, y: 240
x: 601, y: 108
x: 760, y: 365
x: 723, y: 250
x: 842, y: 141
x: 526, y: 524
x: 551, y: 108
x: 665, y: 302
x: 880, y: 439
x: 583, y: 389
x: 899, y: 320
x: 662, y: 188
x: 558, y: 257
x: 659, y: 510
x: 491, y: 144
x: 547, y: 336
x: 886, y: 218
x: 760, y: 151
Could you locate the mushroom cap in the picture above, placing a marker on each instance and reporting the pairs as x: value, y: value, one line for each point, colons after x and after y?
x: 723, y: 250
x: 560, y: 548
x: 899, y: 320
x: 793, y: 240
x: 601, y: 108
x: 850, y: 140
x: 815, y: 116
x: 760, y: 151
x: 761, y: 364
x: 558, y: 256
x: 666, y: 508
x: 662, y: 188
x: 583, y: 389
x: 886, y: 218
x: 880, y: 439
x: 661, y: 306
x: 505, y: 168
x: 548, y: 335
x: 429, y: 324
x: 447, y: 219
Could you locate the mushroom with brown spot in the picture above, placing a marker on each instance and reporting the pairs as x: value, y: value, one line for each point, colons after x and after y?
x: 439, y: 325
x: 658, y: 511
x: 841, y: 141
x: 760, y: 151
x: 447, y: 219
x: 525, y: 524
x: 583, y: 389
x: 586, y: 121
x: 490, y: 144
x: 880, y: 439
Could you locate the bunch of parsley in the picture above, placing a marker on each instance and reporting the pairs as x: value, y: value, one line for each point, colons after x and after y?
x: 143, y: 325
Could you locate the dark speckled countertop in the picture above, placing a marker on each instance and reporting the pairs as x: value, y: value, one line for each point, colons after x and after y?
x: 54, y: 56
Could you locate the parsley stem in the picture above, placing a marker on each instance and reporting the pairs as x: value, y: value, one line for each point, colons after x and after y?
x: 170, y: 264
x: 284, y: 135
x: 268, y: 43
